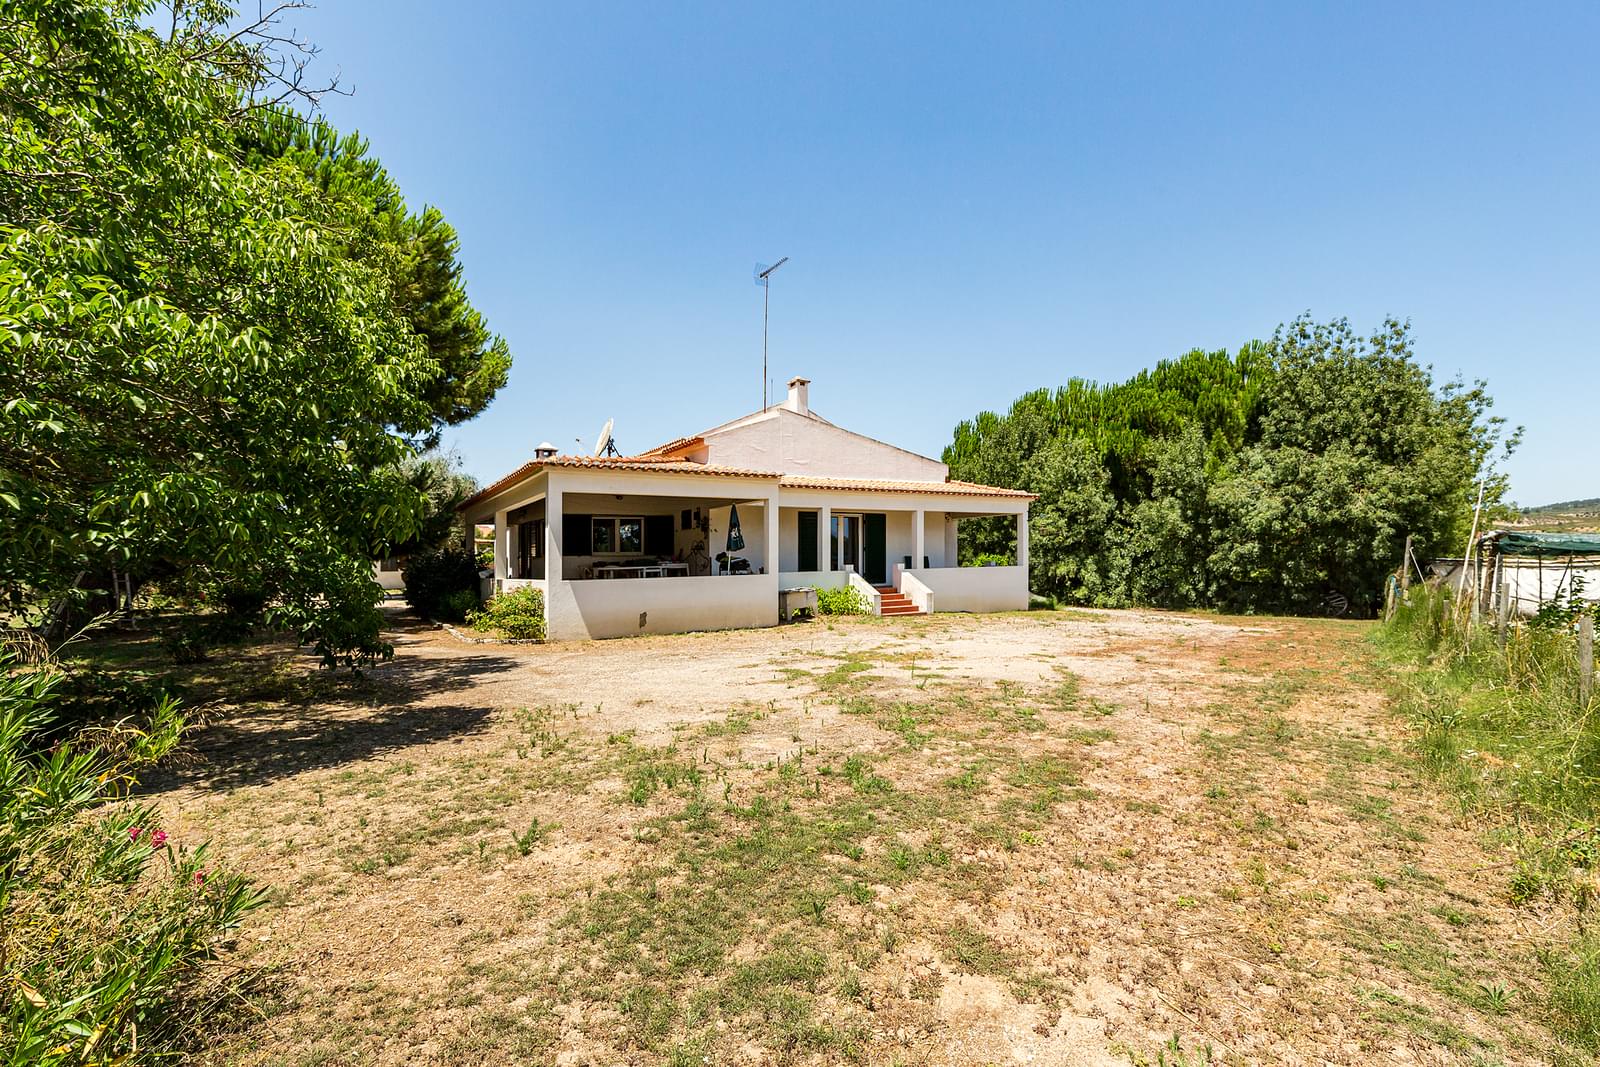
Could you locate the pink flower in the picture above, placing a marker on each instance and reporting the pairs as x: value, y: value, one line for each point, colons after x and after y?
x: 199, y: 877
x: 134, y: 832
x: 158, y: 839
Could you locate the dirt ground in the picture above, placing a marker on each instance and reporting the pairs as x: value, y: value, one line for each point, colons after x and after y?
x: 1058, y: 838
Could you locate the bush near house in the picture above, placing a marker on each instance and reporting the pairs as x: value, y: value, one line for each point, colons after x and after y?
x: 845, y: 600
x: 518, y: 614
x: 105, y: 920
x: 439, y: 583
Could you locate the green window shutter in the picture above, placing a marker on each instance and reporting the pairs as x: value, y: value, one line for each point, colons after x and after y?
x: 808, y: 540
x: 575, y: 536
x: 876, y: 539
x: 658, y: 535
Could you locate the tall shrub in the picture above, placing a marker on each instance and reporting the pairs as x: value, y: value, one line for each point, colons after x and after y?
x: 438, y: 583
x: 106, y: 921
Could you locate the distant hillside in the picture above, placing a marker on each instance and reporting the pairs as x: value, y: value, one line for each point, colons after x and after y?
x: 1569, y: 516
x: 1565, y: 507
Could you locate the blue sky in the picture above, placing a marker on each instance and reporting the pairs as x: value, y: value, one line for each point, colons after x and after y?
x: 983, y: 199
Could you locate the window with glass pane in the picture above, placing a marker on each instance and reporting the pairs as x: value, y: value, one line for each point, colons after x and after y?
x: 604, y: 538
x: 630, y: 536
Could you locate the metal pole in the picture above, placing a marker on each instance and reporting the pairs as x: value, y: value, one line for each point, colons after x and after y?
x: 766, y: 295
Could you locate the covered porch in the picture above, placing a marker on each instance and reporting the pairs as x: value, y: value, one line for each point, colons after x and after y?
x: 618, y: 551
x: 899, y: 545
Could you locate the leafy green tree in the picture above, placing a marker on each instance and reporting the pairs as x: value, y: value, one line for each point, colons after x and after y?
x: 1276, y: 478
x: 1162, y: 542
x: 443, y: 485
x: 1358, y: 448
x: 1069, y: 521
x: 470, y: 363
x: 213, y: 357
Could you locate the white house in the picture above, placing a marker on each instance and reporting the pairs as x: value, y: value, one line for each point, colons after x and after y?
x: 637, y: 544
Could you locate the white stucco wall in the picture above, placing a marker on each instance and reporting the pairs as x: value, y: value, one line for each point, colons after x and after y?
x: 976, y: 588
x: 790, y: 443
x: 577, y: 611
x: 818, y: 579
x: 390, y: 580
x: 752, y: 523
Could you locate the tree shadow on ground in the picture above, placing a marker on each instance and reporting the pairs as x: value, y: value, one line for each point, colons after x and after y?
x: 321, y: 720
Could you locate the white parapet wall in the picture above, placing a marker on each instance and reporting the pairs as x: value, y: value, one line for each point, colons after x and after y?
x: 624, y: 607
x: 975, y: 588
x: 816, y: 579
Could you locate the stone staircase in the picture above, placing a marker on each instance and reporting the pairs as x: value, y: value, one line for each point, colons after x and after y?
x: 895, y: 603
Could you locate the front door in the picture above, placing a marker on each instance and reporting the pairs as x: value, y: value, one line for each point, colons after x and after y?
x: 846, y: 540
x: 874, y: 552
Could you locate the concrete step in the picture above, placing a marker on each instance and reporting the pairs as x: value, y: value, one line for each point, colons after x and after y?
x: 891, y: 602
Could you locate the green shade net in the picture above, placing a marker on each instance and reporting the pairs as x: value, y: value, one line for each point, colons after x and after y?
x: 1548, y: 544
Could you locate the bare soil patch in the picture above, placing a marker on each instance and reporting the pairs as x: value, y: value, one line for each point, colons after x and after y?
x: 1077, y: 838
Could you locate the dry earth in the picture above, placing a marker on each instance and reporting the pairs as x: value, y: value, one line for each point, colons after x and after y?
x: 1064, y: 838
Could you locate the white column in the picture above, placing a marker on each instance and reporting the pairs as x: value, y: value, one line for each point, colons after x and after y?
x: 552, y: 539
x: 824, y: 538
x: 502, y: 536
x: 952, y: 539
x: 770, y: 511
x: 1022, y: 539
x: 919, y: 532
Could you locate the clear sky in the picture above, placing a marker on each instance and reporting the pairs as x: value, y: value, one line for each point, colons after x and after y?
x: 982, y: 199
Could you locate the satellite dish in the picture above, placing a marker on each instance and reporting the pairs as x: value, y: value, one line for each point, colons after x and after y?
x: 602, y: 444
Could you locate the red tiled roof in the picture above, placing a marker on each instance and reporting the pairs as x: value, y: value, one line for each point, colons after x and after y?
x: 665, y: 465
x: 652, y: 464
x: 682, y: 444
x: 878, y: 485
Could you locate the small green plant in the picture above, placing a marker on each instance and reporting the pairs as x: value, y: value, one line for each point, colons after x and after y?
x: 845, y: 600
x: 1494, y: 997
x: 530, y: 837
x: 518, y: 614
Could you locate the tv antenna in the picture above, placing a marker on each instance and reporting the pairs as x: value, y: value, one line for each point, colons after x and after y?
x: 763, y: 277
x: 605, y: 444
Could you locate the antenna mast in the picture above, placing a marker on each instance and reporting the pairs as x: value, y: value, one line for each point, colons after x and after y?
x: 763, y: 276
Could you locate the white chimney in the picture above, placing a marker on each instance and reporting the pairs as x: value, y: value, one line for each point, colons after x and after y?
x: 544, y: 451
x: 799, y: 401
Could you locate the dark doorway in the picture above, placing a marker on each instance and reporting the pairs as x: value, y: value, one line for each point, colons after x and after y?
x: 875, y: 561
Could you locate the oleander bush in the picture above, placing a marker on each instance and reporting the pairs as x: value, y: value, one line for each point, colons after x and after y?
x: 107, y: 922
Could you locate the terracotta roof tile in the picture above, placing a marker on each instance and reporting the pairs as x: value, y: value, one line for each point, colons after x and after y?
x: 682, y: 444
x: 652, y: 464
x: 878, y: 485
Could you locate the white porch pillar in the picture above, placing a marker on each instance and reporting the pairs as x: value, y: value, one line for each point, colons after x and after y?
x: 502, y: 538
x: 770, y: 512
x: 825, y: 538
x: 919, y: 534
x: 552, y: 538
x: 1022, y: 539
x: 952, y: 541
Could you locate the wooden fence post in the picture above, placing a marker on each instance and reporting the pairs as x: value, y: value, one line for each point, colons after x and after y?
x: 1585, y: 660
x: 1503, y: 611
x: 1405, y: 569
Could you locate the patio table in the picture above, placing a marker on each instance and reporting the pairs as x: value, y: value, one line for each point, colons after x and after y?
x: 640, y: 570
